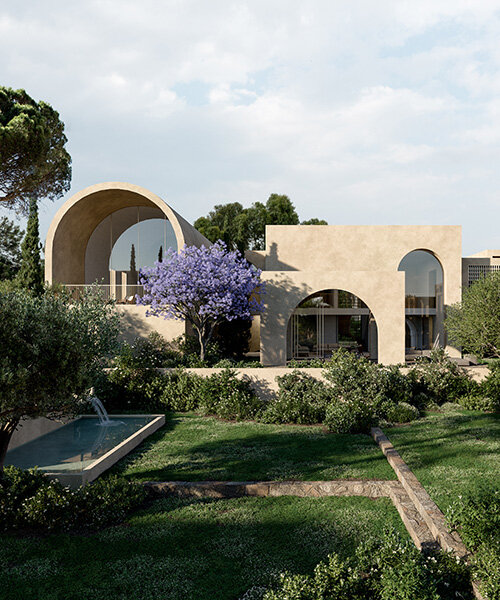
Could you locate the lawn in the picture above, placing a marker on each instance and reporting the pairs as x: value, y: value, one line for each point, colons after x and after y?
x: 199, y: 549
x: 195, y: 448
x: 450, y: 452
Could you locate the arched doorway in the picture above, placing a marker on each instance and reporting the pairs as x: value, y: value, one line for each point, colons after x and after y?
x: 329, y: 320
x: 424, y: 310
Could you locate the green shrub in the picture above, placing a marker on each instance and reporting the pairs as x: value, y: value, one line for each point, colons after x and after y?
x: 52, y: 507
x: 484, y: 403
x: 352, y: 414
x: 383, y: 569
x: 301, y: 399
x: 490, y: 386
x: 15, y: 486
x: 486, y: 569
x: 401, y: 413
x: 147, y: 353
x: 108, y: 501
x: 29, y: 500
x: 439, y: 379
x: 347, y: 372
x: 126, y: 389
x: 177, y: 390
x: 476, y: 515
x: 393, y: 385
x: 224, y: 395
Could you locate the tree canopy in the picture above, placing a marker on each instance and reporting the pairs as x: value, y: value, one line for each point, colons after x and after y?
x: 474, y: 323
x: 245, y: 228
x: 204, y: 286
x: 10, y: 249
x: 51, y: 353
x: 33, y: 160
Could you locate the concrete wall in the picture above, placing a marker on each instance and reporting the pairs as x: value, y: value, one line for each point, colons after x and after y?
x: 383, y: 293
x: 76, y: 220
x: 134, y: 323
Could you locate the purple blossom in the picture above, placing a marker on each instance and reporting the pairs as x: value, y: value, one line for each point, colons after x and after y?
x: 204, y: 286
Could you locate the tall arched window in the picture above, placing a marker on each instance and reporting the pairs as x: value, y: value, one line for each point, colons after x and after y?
x: 423, y: 299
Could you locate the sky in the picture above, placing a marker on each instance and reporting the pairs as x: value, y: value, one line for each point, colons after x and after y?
x: 362, y: 112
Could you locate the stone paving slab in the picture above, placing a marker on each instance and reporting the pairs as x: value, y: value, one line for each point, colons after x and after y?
x: 305, y: 489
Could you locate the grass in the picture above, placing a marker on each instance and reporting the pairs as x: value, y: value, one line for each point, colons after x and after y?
x: 450, y: 452
x: 199, y: 549
x: 194, y: 448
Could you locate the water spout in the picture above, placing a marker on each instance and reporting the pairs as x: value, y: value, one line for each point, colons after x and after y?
x: 98, y: 406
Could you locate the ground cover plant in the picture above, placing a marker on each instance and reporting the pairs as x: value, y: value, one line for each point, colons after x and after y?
x: 193, y: 548
x: 476, y: 516
x: 195, y: 448
x: 390, y: 568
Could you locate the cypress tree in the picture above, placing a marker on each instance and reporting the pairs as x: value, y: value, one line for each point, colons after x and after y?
x: 160, y: 254
x: 133, y: 268
x: 30, y: 274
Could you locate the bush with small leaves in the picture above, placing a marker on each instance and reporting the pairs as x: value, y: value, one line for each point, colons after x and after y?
x: 347, y: 372
x: 401, y: 413
x: 225, y: 396
x: 440, y: 379
x: 300, y: 399
x: 29, y: 500
x: 178, y: 390
x: 126, y: 389
x: 146, y: 353
x: 483, y: 403
x: 476, y: 516
x: 490, y: 386
x: 351, y: 414
x: 388, y: 568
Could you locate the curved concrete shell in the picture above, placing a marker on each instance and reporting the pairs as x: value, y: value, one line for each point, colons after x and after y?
x: 78, y: 218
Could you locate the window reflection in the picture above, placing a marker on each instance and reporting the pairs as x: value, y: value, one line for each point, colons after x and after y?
x: 423, y: 298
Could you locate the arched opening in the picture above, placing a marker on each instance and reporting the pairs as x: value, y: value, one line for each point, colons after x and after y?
x: 329, y: 320
x: 423, y: 301
x: 80, y: 239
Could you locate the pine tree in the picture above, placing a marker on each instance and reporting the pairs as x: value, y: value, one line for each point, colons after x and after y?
x: 133, y: 268
x: 160, y: 254
x: 30, y: 274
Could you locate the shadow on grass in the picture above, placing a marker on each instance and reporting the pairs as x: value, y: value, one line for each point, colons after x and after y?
x: 202, y: 549
x: 251, y: 452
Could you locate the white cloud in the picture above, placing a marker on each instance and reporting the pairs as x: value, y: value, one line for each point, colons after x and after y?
x: 387, y: 108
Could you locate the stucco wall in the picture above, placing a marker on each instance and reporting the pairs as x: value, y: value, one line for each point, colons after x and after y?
x: 383, y: 293
x: 75, y: 221
x: 134, y: 323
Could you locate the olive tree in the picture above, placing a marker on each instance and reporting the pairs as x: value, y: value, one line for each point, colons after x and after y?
x: 50, y: 351
x: 474, y: 323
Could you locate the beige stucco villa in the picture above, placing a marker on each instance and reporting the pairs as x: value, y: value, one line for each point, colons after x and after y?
x: 378, y: 290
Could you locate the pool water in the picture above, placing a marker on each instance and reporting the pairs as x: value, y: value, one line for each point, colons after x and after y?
x: 75, y: 446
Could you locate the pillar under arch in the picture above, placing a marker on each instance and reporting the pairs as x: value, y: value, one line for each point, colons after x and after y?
x: 76, y: 220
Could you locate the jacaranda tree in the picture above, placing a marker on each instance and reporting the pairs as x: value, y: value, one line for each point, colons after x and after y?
x: 203, y: 286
